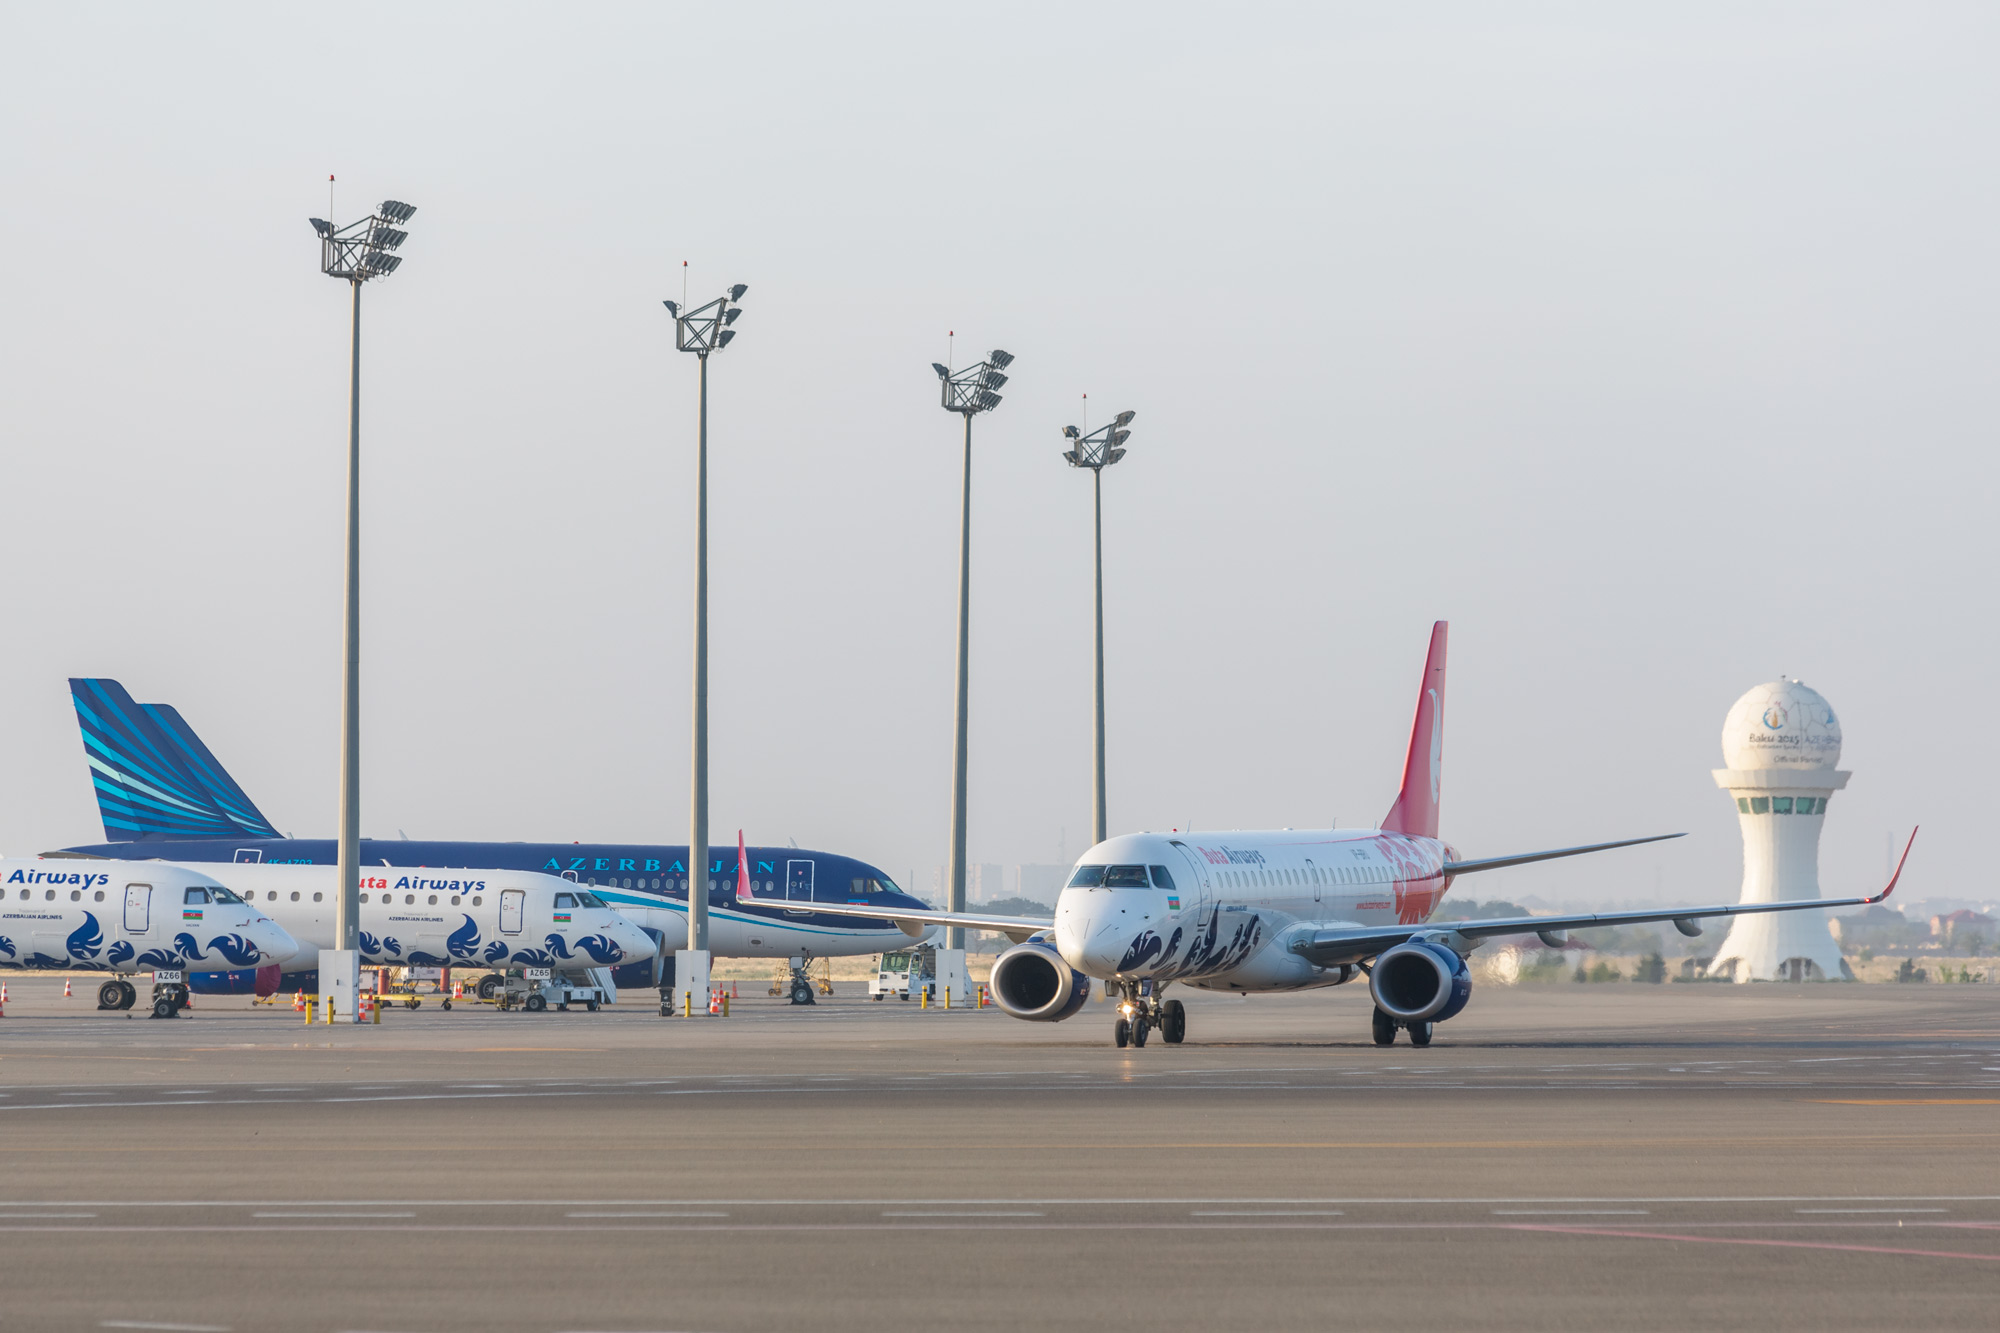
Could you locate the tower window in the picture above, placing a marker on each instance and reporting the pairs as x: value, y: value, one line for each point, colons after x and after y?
x: 1760, y: 805
x: 1782, y: 805
x: 1743, y: 804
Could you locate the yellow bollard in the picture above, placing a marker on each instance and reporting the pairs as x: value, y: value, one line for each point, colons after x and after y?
x: 311, y: 1006
x: 725, y: 1004
x: 947, y: 997
x: 375, y: 1010
x: 924, y: 998
x: 687, y: 1005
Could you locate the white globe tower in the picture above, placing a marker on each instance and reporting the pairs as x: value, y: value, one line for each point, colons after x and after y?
x: 1781, y: 742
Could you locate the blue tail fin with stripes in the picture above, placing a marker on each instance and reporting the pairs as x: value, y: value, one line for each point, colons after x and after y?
x: 154, y: 777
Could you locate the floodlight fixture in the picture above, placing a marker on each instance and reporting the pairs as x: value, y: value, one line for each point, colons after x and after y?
x: 1101, y: 447
x: 1001, y: 360
x: 359, y: 251
x: 971, y: 390
x: 705, y: 328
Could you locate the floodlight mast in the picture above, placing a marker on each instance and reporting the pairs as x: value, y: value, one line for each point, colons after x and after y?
x: 967, y: 392
x: 1096, y: 451
x: 355, y: 254
x: 704, y: 330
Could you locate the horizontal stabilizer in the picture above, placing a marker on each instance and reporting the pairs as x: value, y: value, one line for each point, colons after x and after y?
x: 1501, y: 862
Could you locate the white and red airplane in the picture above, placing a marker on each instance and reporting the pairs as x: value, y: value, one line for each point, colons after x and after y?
x: 1287, y: 909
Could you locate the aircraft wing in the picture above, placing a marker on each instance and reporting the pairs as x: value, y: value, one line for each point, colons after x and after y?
x: 913, y: 923
x: 1500, y: 862
x: 1329, y: 948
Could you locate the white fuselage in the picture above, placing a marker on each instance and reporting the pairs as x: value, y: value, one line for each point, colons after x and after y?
x: 129, y: 916
x: 1236, y: 901
x: 444, y: 918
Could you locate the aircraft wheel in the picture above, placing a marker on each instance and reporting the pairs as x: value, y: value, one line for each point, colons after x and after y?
x: 446, y: 1006
x: 1385, y: 1029
x: 1140, y: 1027
x: 111, y: 995
x: 535, y: 1004
x: 802, y: 992
x: 412, y: 1003
x: 1173, y: 1023
x: 591, y: 1005
x: 1121, y: 1034
x: 1420, y: 1034
x: 488, y: 985
x: 128, y: 995
x: 163, y: 1008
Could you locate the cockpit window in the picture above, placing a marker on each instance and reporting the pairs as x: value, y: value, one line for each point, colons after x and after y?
x: 224, y: 896
x: 565, y: 901
x: 1162, y: 880
x: 1125, y: 877
x: 589, y: 900
x: 1087, y: 877
x: 195, y: 896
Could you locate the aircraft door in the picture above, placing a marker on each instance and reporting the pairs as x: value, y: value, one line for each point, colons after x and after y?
x: 511, y: 904
x: 799, y: 881
x: 1312, y: 873
x: 138, y: 908
x: 1200, y: 896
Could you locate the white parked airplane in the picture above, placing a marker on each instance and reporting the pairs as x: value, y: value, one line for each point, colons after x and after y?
x: 1286, y: 910
x: 427, y: 918
x: 129, y: 917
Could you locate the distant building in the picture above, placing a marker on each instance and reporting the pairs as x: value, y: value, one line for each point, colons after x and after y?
x: 1040, y: 883
x: 1963, y: 927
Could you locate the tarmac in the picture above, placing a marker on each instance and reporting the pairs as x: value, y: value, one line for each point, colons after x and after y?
x: 1563, y: 1157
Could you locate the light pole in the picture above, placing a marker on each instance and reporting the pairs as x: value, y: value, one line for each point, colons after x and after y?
x: 354, y: 253
x: 1097, y: 451
x: 703, y: 330
x: 967, y: 392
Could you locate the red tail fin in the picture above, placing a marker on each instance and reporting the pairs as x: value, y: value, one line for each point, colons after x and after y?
x: 1416, y: 808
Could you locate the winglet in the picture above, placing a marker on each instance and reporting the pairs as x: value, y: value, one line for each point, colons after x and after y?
x: 1899, y: 869
x: 742, y: 870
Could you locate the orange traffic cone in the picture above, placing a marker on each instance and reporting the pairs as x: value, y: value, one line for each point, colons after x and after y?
x: 298, y: 1001
x: 3, y: 999
x: 66, y: 994
x: 715, y: 1001
x: 732, y: 992
x: 458, y: 990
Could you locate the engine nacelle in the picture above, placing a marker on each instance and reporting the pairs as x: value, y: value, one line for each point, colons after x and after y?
x: 1420, y: 982
x: 1034, y: 982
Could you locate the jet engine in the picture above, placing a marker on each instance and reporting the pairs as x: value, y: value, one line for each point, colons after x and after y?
x: 1033, y: 981
x: 1420, y: 982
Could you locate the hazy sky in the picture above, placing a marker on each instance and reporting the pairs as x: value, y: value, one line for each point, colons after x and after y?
x: 1652, y: 346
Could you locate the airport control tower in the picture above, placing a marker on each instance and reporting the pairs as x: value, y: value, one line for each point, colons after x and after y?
x: 1781, y: 742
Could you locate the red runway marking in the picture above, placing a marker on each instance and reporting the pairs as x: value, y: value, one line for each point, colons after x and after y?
x: 1745, y: 1240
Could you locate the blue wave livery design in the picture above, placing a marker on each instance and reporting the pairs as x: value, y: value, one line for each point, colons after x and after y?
x: 496, y: 951
x: 166, y: 958
x: 464, y: 942
x: 418, y: 958
x: 600, y: 949
x: 534, y: 958
x: 86, y: 939
x: 119, y: 952
x: 236, y: 949
x: 154, y: 778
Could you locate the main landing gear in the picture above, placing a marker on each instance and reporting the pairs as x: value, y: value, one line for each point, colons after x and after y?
x: 116, y: 994
x: 1385, y: 1030
x: 1141, y: 1010
x: 169, y: 998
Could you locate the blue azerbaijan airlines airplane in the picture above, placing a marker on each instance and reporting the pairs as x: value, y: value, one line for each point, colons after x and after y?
x: 165, y: 797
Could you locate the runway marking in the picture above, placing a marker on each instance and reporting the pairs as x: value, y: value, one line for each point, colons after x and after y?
x: 580, y: 1050
x: 1752, y: 1240
x: 42, y: 1217
x: 338, y: 1217
x: 1192, y: 1201
x: 177, y: 1328
x: 601, y: 1215
x: 1898, y: 1211
x: 1906, y: 1101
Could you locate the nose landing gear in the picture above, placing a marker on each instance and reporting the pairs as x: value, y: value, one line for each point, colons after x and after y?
x: 1141, y: 1010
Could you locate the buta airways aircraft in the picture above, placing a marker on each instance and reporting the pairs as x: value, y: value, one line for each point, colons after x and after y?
x: 1287, y: 910
x: 165, y: 797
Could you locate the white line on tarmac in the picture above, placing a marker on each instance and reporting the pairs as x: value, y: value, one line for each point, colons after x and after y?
x: 1065, y: 1201
x: 1570, y: 1212
x: 338, y: 1217
x: 1265, y: 1212
x: 600, y: 1215
x: 1871, y: 1210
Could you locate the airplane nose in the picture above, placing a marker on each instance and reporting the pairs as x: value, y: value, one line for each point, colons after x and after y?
x: 1095, y: 934
x: 273, y: 941
x: 636, y: 944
